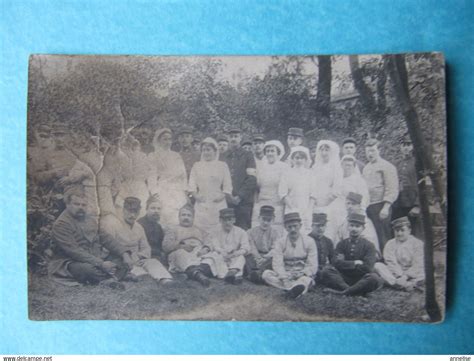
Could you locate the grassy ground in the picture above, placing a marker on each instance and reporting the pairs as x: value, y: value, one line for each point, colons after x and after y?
x: 188, y: 300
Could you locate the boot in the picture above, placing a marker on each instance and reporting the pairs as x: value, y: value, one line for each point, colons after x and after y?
x: 203, y: 280
x: 230, y: 276
x: 296, y: 291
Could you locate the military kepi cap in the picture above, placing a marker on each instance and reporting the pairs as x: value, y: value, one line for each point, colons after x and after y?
x: 354, y: 197
x: 320, y: 218
x: 291, y: 217
x: 132, y: 204
x: 186, y: 129
x: 349, y: 140
x: 258, y: 138
x: 371, y: 142
x: 235, y: 130
x: 356, y: 218
x: 268, y: 211
x: 399, y: 222
x: 222, y: 138
x: 227, y: 212
x: 297, y: 132
x: 246, y: 141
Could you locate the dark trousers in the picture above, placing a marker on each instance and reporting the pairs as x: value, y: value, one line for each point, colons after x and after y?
x: 203, y: 268
x: 243, y: 215
x: 350, y: 283
x: 251, y: 268
x: 89, y: 274
x: 382, y: 226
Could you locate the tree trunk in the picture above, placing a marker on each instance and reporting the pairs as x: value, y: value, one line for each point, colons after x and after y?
x: 323, y: 97
x: 398, y: 74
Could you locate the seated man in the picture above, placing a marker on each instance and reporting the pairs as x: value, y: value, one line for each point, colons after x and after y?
x: 189, y: 250
x: 261, y: 239
x: 323, y: 244
x: 353, y: 204
x: 232, y: 243
x: 153, y: 230
x: 80, y: 255
x: 403, y: 255
x: 295, y: 259
x: 354, y: 262
x: 130, y: 235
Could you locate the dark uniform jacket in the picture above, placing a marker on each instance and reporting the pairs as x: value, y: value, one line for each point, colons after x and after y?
x: 355, y: 249
x: 154, y: 234
x: 325, y: 250
x: 243, y: 184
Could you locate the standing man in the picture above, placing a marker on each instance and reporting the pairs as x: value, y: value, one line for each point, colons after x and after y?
x: 261, y: 239
x: 130, y: 235
x: 349, y: 147
x: 407, y: 203
x: 152, y: 227
x: 244, y: 179
x: 295, y: 259
x: 258, y: 144
x: 80, y: 255
x: 186, y: 148
x: 295, y: 138
x: 313, y: 148
x: 222, y: 143
x: 352, y: 273
x: 246, y: 145
x: 382, y: 181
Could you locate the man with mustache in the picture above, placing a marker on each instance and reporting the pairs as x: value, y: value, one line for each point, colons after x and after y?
x: 352, y: 273
x: 153, y: 229
x: 81, y: 256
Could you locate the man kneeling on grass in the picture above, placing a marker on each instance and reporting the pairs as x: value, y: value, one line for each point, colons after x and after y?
x: 130, y: 235
x: 80, y: 255
x: 354, y: 262
x: 295, y: 259
x: 403, y: 256
x: 232, y: 243
x: 190, y: 251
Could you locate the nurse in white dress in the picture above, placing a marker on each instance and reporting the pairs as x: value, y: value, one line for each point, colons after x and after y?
x: 209, y: 182
x: 269, y: 175
x: 167, y: 177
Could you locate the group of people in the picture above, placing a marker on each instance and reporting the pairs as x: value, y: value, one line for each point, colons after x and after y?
x: 232, y: 209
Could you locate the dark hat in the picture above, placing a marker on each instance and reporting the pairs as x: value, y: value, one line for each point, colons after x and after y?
x: 267, y: 211
x: 152, y: 199
x: 227, y: 212
x: 298, y: 132
x: 186, y: 129
x: 246, y: 141
x: 356, y: 218
x: 234, y: 130
x: 258, y: 137
x: 349, y: 140
x: 320, y: 218
x: 399, y: 222
x: 222, y: 138
x: 195, y: 140
x: 291, y: 217
x: 132, y: 204
x: 354, y: 197
x: 371, y: 142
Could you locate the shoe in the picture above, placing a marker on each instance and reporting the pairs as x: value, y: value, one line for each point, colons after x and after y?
x: 230, y: 277
x: 130, y: 278
x: 203, y: 280
x: 166, y: 282
x: 296, y: 291
x: 254, y: 277
x: 115, y: 285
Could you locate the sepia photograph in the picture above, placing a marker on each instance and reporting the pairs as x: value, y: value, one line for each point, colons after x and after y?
x: 247, y: 188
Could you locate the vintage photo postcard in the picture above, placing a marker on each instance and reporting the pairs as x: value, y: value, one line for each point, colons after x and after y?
x: 278, y: 188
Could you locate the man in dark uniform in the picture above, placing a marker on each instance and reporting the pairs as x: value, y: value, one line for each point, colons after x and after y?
x: 349, y: 147
x: 407, y: 203
x: 244, y: 182
x: 324, y: 245
x: 153, y: 230
x: 186, y: 148
x: 222, y: 143
x: 353, y: 272
x: 247, y: 145
x: 295, y: 138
